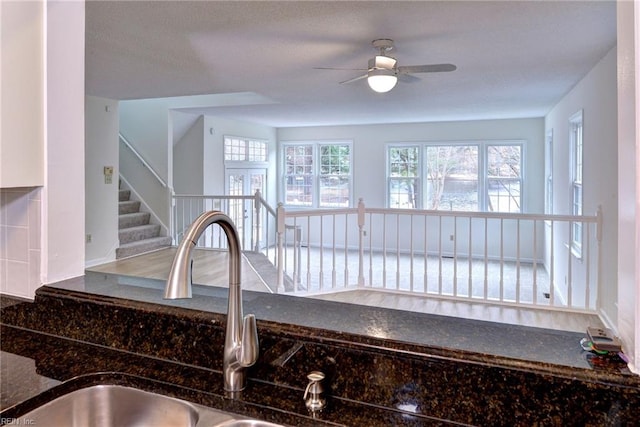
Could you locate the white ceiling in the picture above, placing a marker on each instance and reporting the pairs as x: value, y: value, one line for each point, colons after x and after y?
x: 514, y: 58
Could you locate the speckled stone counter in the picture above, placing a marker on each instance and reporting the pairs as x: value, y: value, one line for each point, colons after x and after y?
x: 370, y: 380
x: 450, y: 333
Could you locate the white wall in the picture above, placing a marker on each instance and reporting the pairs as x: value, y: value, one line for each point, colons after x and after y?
x: 101, y: 198
x: 596, y: 96
x: 215, y: 129
x: 369, y: 156
x: 628, y: 320
x: 148, y: 124
x: 63, y: 197
x: 188, y: 160
x: 144, y: 123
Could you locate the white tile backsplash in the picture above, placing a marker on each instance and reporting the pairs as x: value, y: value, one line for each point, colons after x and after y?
x: 35, y: 206
x: 17, y: 243
x: 17, y: 207
x: 34, y: 270
x: 20, y: 241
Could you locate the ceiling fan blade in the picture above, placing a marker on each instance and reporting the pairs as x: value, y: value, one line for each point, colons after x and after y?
x: 364, y: 76
x: 432, y: 68
x: 408, y: 78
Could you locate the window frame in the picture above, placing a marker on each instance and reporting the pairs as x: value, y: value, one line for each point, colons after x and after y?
x: 418, y: 179
x: 316, y: 174
x: 548, y: 206
x: 247, y: 150
x: 576, y: 167
x: 479, y: 175
x: 485, y: 172
x: 482, y: 179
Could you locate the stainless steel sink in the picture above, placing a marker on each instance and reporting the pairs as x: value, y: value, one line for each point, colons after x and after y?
x: 246, y: 423
x: 119, y: 406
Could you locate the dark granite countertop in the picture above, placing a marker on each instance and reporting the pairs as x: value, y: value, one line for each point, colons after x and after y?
x: 60, y: 366
x: 38, y: 367
x: 446, y: 332
x: 383, y: 368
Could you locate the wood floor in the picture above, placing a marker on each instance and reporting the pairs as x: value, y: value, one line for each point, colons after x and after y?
x: 210, y: 268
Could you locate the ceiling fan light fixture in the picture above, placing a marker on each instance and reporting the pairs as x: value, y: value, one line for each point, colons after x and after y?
x: 382, y: 80
x: 383, y: 61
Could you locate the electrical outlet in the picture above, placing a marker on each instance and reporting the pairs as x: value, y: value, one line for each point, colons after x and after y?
x: 88, y: 238
x: 451, y: 237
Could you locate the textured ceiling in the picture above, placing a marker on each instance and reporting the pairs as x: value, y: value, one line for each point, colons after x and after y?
x: 514, y: 58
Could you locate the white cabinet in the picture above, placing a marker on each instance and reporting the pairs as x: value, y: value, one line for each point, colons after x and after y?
x: 22, y: 94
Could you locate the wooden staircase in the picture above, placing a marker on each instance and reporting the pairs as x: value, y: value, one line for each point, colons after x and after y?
x: 137, y: 235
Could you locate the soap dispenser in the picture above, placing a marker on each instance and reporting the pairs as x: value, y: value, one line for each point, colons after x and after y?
x: 313, y: 394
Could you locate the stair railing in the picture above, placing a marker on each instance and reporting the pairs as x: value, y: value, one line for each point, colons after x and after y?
x: 148, y: 185
x: 254, y: 218
x: 142, y: 160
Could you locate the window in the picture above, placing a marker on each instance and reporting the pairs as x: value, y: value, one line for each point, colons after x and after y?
x: 504, y: 178
x: 404, y: 177
x: 335, y: 175
x: 470, y: 176
x: 548, y: 206
x: 317, y: 174
x: 243, y: 149
x: 452, y: 177
x: 575, y: 138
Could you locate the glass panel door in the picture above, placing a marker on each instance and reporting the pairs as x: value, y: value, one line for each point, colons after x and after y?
x: 245, y: 182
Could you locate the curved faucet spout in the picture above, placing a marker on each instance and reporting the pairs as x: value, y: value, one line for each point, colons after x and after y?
x: 241, y: 341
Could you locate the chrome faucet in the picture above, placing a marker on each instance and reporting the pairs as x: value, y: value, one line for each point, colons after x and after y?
x: 241, y: 341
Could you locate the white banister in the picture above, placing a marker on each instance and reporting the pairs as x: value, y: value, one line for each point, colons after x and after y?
x: 361, y: 233
x: 280, y: 230
x: 488, y: 257
x: 472, y: 256
x: 142, y: 160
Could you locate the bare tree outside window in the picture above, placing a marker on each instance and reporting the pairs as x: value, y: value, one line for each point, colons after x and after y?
x: 404, y: 177
x: 452, y: 177
x: 471, y: 177
x: 504, y: 164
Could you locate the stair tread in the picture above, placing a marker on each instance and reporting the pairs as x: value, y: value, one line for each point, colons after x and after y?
x: 146, y: 241
x: 133, y: 219
x: 123, y: 195
x: 138, y: 232
x: 140, y: 227
x: 134, y: 214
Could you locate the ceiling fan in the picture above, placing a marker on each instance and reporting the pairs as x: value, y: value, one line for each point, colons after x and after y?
x: 383, y: 72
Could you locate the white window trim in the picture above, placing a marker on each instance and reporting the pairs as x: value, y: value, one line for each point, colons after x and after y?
x: 548, y: 201
x: 577, y: 119
x: 482, y: 166
x: 316, y: 144
x: 388, y: 177
x: 484, y: 160
x: 244, y: 163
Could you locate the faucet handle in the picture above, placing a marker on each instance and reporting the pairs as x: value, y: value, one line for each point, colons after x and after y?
x: 249, y: 346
